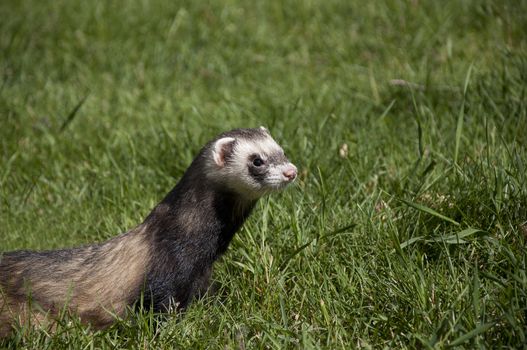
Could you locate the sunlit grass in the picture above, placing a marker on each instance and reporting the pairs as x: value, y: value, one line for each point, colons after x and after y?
x: 411, y: 235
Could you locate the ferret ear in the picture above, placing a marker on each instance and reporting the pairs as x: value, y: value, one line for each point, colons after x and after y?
x: 222, y: 149
x: 263, y: 128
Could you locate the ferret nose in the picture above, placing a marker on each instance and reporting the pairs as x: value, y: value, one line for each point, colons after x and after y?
x: 290, y: 173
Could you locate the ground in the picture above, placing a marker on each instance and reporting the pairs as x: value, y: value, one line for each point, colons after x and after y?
x: 407, y: 227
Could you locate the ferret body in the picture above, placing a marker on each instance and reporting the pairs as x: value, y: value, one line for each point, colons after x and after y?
x: 167, y: 259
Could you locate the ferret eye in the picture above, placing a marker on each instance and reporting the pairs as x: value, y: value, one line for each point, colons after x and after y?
x: 258, y: 162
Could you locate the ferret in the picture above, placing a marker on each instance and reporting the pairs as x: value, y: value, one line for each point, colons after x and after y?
x: 167, y: 260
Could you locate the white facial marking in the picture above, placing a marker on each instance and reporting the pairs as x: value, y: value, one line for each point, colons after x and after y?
x: 264, y: 148
x: 281, y: 175
x: 239, y: 173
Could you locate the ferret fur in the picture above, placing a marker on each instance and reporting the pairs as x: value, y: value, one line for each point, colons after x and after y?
x: 167, y: 259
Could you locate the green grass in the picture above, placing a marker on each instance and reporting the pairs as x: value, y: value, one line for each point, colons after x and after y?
x: 416, y: 238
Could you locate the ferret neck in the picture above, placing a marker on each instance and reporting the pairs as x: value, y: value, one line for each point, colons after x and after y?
x: 196, y: 210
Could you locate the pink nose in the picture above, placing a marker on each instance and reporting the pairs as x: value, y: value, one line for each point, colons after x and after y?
x: 290, y: 173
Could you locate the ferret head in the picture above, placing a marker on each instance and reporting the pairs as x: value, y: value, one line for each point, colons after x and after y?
x: 250, y: 162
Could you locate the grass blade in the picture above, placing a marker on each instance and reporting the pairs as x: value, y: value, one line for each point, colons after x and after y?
x: 473, y: 333
x: 457, y: 238
x: 461, y: 116
x: 411, y: 241
x: 429, y: 211
x: 73, y: 113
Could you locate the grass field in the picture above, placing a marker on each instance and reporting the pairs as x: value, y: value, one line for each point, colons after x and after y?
x: 407, y: 119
